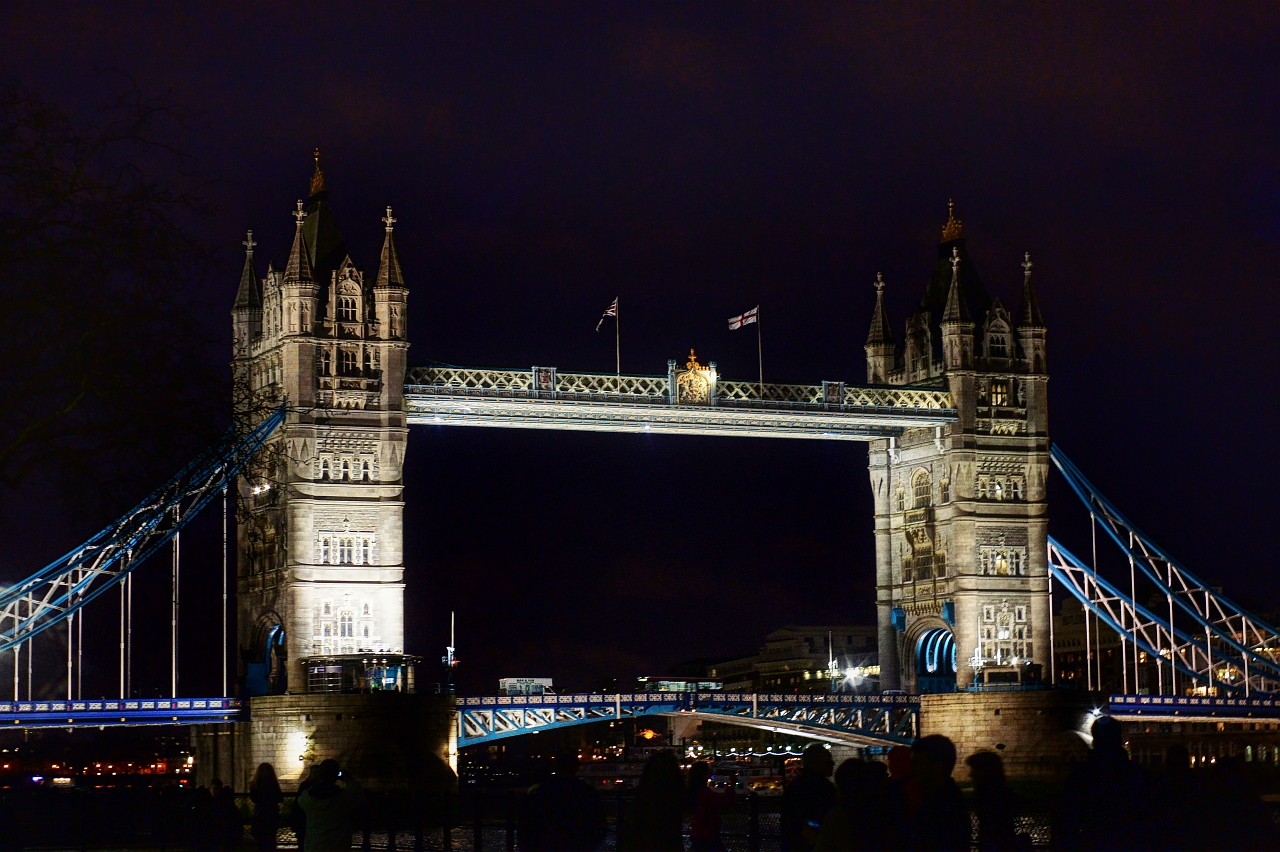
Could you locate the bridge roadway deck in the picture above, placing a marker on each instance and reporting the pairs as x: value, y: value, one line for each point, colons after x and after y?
x: 104, y: 713
x: 860, y: 720
x: 542, y: 398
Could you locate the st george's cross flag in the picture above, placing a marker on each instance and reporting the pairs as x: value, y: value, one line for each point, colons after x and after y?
x: 740, y: 320
x: 611, y: 311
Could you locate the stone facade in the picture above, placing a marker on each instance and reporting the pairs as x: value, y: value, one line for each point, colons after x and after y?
x: 320, y: 541
x: 295, y: 732
x: 961, y: 519
x: 1037, y: 734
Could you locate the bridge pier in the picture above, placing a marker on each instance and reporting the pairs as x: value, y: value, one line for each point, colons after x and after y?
x: 1036, y: 733
x: 388, y: 742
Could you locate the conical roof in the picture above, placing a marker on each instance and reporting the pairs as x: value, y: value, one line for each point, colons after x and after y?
x: 1031, y: 316
x: 248, y: 297
x: 957, y: 308
x: 324, y: 241
x: 389, y: 274
x: 881, y: 333
x: 936, y: 294
x: 299, y: 266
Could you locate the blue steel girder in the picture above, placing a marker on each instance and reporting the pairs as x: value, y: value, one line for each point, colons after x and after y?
x: 1192, y: 708
x: 882, y: 720
x: 116, y: 713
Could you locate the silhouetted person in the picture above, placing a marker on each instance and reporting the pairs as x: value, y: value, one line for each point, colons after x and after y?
x: 705, y: 807
x: 655, y: 818
x: 807, y: 800
x: 865, y: 819
x: 296, y: 817
x: 1107, y: 803
x: 562, y: 812
x: 201, y: 819
x: 266, y: 796
x: 994, y: 804
x: 937, y: 815
x: 228, y: 827
x: 331, y: 809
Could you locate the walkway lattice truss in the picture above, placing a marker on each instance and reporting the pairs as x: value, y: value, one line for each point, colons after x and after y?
x: 1226, y: 648
x: 54, y: 593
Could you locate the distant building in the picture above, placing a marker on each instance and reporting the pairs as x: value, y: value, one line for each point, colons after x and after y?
x: 525, y: 686
x: 806, y: 659
x: 678, y: 684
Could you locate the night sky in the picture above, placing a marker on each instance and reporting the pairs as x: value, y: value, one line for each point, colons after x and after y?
x: 696, y: 159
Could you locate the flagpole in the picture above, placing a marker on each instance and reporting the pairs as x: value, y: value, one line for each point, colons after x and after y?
x: 760, y: 352
x: 617, y: 335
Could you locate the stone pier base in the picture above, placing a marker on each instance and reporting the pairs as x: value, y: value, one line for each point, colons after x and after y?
x: 389, y: 742
x: 1037, y: 733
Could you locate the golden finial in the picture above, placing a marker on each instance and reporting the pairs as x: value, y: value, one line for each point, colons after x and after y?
x: 692, y: 363
x: 317, y: 179
x: 954, y: 229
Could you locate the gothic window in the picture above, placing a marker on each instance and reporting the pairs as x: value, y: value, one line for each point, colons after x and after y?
x: 368, y: 362
x: 347, y: 308
x: 324, y: 551
x: 328, y: 629
x: 345, y: 551
x: 346, y: 470
x: 364, y: 558
x: 940, y: 565
x: 366, y: 631
x: 327, y: 608
x: 988, y: 614
x: 922, y: 555
x: 1020, y: 613
x: 998, y: 343
x: 944, y: 491
x: 982, y: 489
x: 1001, y: 566
x: 1015, y: 488
x: 326, y: 363
x: 346, y: 628
x: 997, y: 490
x: 999, y: 393
x: 366, y: 611
x: 364, y: 470
x: 902, y: 499
x: 347, y: 362
x: 921, y: 488
x: 324, y: 468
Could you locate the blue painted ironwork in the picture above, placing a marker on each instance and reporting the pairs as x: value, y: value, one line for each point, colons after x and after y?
x: 846, y: 718
x: 119, y: 712
x: 1241, y: 650
x: 1184, y: 708
x: 55, y: 592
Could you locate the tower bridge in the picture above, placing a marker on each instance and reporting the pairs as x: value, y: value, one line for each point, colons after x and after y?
x: 955, y: 417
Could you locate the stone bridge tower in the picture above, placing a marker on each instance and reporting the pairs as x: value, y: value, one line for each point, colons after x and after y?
x: 960, y: 511
x: 319, y: 545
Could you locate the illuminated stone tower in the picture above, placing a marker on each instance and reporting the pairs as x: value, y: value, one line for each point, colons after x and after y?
x: 960, y: 511
x: 319, y: 547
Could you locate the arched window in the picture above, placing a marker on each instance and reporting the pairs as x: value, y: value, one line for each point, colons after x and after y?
x: 364, y: 557
x: 347, y: 362
x: 366, y: 631
x: 921, y: 489
x: 346, y: 551
x: 902, y: 499
x: 324, y: 551
x: 347, y: 308
x: 324, y: 468
x: 364, y: 470
x: 346, y: 470
x: 346, y: 628
x: 326, y: 363
x: 328, y: 629
x: 368, y: 362
x: 366, y: 612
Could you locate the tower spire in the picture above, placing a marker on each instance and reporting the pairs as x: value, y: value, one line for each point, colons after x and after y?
x: 954, y: 229
x: 389, y: 274
x: 299, y: 266
x: 1031, y: 316
x: 881, y: 333
x: 317, y: 178
x: 957, y: 310
x: 247, y: 296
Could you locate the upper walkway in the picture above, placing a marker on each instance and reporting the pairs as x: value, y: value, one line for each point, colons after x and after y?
x: 690, y: 401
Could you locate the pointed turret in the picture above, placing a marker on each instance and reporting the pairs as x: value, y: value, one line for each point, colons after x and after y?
x: 299, y: 266
x: 246, y: 314
x: 389, y: 274
x: 390, y: 297
x: 1031, y: 316
x: 957, y: 323
x: 248, y: 297
x: 953, y: 240
x: 880, y: 347
x: 1031, y: 330
x: 957, y: 309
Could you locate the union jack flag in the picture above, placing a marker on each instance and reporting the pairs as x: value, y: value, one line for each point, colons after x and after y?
x: 611, y: 311
x: 740, y: 320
